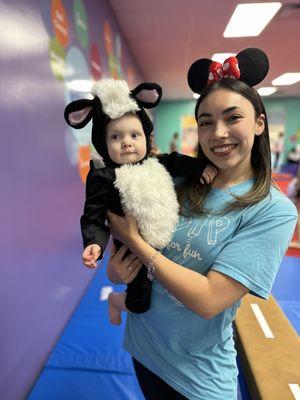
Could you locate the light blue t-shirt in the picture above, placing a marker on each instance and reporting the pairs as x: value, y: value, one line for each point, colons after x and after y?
x: 197, y: 356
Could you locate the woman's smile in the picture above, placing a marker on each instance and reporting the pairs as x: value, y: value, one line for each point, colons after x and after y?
x: 223, y: 150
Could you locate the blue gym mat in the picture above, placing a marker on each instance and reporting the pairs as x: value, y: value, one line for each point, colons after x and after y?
x: 286, y: 290
x: 88, y: 361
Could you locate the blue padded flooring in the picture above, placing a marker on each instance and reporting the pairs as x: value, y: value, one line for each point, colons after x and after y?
x: 286, y: 290
x: 88, y: 361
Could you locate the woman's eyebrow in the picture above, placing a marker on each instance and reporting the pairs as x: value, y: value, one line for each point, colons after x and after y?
x: 204, y: 115
x: 227, y: 110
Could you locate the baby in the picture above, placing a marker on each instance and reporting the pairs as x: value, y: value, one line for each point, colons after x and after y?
x: 131, y: 181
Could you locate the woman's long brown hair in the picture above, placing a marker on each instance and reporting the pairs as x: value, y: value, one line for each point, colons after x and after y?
x: 195, y: 193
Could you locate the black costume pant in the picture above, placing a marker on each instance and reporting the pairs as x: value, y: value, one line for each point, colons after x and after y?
x: 152, y: 386
x: 138, y: 293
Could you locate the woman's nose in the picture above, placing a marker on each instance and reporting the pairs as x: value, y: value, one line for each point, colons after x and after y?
x: 220, y: 130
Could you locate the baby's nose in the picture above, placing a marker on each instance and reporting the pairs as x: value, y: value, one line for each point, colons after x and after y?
x: 126, y: 144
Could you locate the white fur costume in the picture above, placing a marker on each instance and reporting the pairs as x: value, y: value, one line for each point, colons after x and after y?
x: 147, y: 193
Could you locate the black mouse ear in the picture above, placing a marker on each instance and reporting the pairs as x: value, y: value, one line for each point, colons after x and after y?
x: 147, y: 94
x: 253, y: 64
x: 78, y: 113
x: 198, y: 74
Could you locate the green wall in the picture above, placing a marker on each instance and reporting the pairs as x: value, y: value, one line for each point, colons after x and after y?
x: 168, y: 114
x: 291, y: 108
x: 167, y: 121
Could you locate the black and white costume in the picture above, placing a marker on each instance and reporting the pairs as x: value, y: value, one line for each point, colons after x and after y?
x: 144, y: 190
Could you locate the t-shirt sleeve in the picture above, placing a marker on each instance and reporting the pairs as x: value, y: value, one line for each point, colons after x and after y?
x: 253, y: 256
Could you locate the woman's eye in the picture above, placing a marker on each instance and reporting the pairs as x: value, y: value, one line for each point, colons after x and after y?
x: 204, y: 123
x: 115, y: 137
x: 234, y: 117
x: 135, y: 135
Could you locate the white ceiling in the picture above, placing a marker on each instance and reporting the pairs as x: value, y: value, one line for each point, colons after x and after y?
x: 166, y: 36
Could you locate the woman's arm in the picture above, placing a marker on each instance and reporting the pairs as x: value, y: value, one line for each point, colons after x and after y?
x: 205, y: 295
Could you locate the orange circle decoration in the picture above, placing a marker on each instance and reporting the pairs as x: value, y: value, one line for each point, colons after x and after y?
x: 84, y: 154
x: 60, y: 22
x: 108, y: 38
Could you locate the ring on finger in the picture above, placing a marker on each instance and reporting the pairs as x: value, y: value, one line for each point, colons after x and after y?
x: 130, y: 268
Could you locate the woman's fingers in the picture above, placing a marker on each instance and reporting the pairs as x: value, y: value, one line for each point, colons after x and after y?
x: 123, y: 269
x: 210, y: 174
x: 119, y: 254
x: 133, y: 269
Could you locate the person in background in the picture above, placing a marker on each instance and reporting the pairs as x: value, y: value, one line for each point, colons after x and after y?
x: 174, y: 142
x: 230, y: 240
x: 278, y: 150
x: 293, y: 156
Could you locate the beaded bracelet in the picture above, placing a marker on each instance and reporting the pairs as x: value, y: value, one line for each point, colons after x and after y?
x: 151, y: 266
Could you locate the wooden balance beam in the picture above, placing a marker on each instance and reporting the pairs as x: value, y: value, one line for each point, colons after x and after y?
x: 269, y: 350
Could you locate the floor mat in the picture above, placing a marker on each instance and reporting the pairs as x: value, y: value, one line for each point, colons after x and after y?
x: 286, y: 290
x: 88, y: 361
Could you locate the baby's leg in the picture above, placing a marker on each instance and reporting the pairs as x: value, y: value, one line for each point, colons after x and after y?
x: 116, y: 303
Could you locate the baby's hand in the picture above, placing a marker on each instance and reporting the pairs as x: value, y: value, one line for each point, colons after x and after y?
x: 90, y: 254
x: 209, y: 174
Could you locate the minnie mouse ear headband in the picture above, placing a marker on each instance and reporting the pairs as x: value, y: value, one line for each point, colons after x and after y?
x: 250, y: 66
x: 113, y: 99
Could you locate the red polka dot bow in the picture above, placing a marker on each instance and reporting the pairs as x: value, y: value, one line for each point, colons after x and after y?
x: 229, y: 69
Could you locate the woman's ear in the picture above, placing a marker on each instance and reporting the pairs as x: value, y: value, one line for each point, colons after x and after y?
x: 260, y: 125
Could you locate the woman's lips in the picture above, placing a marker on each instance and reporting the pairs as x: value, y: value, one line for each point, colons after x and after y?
x: 224, y: 150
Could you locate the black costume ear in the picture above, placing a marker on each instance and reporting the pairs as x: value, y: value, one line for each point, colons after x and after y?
x: 148, y: 95
x: 198, y: 74
x: 79, y: 113
x: 253, y: 65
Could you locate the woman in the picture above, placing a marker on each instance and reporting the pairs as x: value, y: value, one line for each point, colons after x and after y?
x: 230, y: 241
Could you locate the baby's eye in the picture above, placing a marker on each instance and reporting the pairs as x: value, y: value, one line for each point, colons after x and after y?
x: 114, y: 137
x: 135, y: 135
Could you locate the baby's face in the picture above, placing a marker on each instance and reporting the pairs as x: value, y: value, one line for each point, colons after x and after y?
x: 125, y: 140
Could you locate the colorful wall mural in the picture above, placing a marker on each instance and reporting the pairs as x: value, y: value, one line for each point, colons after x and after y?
x: 50, y: 51
x: 80, y: 53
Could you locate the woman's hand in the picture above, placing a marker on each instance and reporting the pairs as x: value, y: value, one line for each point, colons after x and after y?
x: 124, y: 229
x: 121, y: 270
x: 209, y: 174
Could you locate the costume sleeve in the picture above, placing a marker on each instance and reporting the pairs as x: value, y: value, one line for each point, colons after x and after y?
x: 181, y: 165
x: 93, y: 228
x: 253, y: 256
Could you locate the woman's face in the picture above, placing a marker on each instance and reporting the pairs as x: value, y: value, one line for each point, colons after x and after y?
x: 226, y: 129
